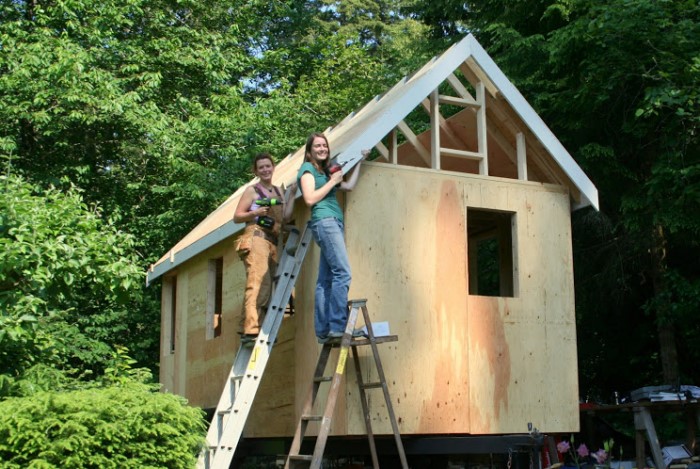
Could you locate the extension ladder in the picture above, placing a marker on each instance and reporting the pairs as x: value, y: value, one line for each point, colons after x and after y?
x: 295, y: 459
x: 244, y: 378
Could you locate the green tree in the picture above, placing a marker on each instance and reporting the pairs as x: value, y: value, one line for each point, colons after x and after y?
x: 135, y: 102
x: 67, y: 282
x: 315, y: 62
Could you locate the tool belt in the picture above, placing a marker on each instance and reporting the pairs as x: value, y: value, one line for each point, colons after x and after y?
x: 268, y: 236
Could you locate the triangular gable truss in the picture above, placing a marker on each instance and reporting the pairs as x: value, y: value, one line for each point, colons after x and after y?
x: 495, y: 132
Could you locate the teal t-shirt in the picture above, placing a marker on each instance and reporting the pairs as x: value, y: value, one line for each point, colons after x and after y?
x: 328, y: 206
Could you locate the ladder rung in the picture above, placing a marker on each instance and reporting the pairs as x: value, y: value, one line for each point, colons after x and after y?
x: 371, y: 385
x: 378, y: 340
x: 301, y: 457
x: 312, y: 418
x: 225, y: 411
x: 322, y: 379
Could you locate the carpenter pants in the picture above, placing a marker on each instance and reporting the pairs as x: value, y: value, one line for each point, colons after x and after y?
x: 260, y: 265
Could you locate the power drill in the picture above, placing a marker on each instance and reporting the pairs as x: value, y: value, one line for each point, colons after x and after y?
x: 265, y: 221
x: 266, y: 202
x: 335, y: 167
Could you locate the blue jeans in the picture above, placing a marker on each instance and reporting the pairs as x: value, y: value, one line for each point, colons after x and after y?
x: 333, y: 283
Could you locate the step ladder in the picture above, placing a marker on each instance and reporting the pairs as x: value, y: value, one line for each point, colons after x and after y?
x: 246, y: 373
x: 348, y: 341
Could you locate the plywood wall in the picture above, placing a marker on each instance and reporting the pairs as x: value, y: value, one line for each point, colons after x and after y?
x: 199, y: 367
x: 465, y: 364
x: 462, y: 364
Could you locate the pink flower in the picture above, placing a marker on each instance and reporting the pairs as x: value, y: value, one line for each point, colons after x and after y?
x: 563, y: 447
x: 600, y: 456
x: 583, y: 450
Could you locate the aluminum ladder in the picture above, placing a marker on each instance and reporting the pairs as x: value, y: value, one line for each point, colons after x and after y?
x: 246, y: 373
x: 348, y: 341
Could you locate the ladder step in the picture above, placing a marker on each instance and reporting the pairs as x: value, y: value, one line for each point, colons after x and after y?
x: 377, y: 340
x: 372, y: 385
x: 322, y: 379
x: 301, y: 457
x: 312, y: 418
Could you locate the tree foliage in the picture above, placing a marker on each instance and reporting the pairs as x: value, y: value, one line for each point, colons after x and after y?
x: 67, y: 281
x: 135, y: 102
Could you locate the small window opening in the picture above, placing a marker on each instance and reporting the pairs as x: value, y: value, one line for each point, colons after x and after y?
x: 215, y: 297
x: 170, y: 298
x: 491, y: 258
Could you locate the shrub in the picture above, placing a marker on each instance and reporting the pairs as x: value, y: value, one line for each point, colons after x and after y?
x: 126, y: 426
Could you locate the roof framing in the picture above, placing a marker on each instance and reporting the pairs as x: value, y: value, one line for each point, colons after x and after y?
x: 499, y: 118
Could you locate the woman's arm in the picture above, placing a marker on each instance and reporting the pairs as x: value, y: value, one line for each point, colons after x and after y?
x: 289, y: 201
x: 243, y: 214
x: 313, y: 196
x: 354, y: 174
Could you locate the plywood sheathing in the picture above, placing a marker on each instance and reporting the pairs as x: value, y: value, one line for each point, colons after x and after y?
x: 464, y: 364
x: 199, y: 367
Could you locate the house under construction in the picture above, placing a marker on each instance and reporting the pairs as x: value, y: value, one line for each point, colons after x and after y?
x: 459, y: 237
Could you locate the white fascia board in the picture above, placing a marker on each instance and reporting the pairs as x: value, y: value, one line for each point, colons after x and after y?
x: 411, y: 94
x: 223, y: 232
x: 535, y: 123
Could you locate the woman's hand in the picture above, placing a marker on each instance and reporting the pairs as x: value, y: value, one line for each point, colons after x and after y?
x: 336, y: 178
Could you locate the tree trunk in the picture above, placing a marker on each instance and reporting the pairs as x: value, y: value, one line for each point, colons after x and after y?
x: 664, y: 318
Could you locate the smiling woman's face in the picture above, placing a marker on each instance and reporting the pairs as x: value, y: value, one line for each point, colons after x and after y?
x: 319, y: 149
x: 264, y: 169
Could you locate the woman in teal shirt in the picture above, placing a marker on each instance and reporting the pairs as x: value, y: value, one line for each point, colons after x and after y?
x: 318, y: 188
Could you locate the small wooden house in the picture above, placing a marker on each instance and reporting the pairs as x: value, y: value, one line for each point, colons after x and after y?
x: 459, y: 236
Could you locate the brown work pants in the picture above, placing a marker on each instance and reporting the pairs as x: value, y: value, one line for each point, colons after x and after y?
x: 260, y: 265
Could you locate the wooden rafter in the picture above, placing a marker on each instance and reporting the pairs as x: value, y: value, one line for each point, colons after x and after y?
x: 413, y: 140
x: 438, y: 123
x: 460, y: 89
x: 473, y: 73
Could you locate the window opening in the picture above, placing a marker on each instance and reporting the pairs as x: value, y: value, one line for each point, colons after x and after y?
x: 170, y: 296
x: 215, y: 297
x: 491, y: 252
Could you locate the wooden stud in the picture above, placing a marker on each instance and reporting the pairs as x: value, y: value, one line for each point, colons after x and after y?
x: 434, y: 129
x: 521, y: 152
x: 481, y: 128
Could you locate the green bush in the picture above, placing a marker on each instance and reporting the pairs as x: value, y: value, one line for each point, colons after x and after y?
x: 128, y: 426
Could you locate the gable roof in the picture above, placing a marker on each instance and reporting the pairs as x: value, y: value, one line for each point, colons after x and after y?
x: 367, y: 127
